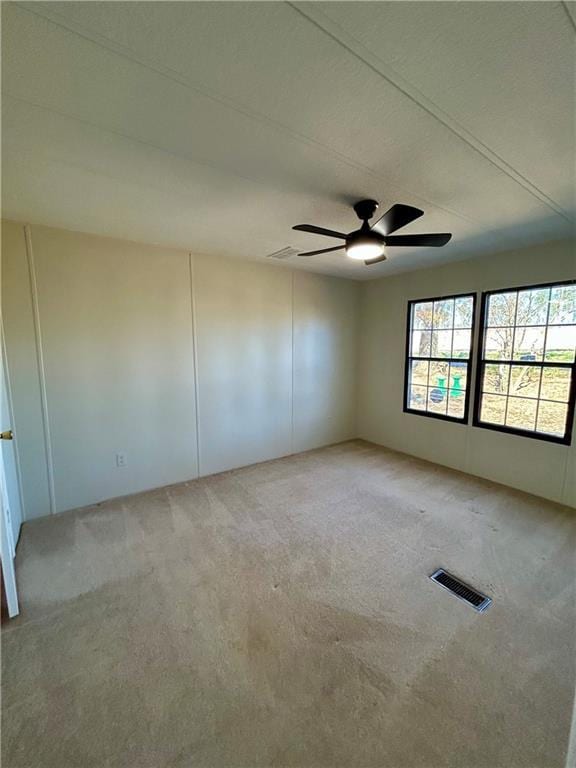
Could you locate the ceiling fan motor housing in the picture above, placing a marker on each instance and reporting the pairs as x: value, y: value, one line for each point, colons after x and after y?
x: 365, y: 209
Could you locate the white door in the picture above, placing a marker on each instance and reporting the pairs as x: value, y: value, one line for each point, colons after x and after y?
x: 9, y: 456
x: 7, y: 552
x: 11, y: 508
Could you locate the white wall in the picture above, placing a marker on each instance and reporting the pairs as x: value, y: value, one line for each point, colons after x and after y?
x: 542, y: 468
x: 191, y: 365
x: 116, y: 330
x: 244, y: 331
x: 326, y: 324
x: 188, y: 365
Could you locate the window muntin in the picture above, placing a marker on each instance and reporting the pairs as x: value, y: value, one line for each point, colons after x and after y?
x: 527, y: 367
x: 439, y: 343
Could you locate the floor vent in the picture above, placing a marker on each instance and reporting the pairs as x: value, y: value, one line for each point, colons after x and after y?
x: 477, y: 600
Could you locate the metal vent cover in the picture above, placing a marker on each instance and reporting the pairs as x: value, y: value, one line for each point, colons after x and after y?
x: 283, y: 253
x: 476, y: 599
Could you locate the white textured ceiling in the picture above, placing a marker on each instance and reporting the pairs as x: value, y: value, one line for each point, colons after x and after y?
x: 217, y: 126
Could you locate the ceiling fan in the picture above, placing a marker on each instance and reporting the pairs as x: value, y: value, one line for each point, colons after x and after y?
x: 368, y: 243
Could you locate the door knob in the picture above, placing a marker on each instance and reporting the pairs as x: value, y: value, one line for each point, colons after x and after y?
x: 7, y: 435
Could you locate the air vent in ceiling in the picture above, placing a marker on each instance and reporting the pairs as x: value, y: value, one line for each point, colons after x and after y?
x: 283, y: 253
x: 477, y: 600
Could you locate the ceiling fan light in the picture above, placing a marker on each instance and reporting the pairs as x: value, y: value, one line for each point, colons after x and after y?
x: 364, y: 251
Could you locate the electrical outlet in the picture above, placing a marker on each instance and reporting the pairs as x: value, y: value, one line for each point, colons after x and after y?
x: 120, y: 459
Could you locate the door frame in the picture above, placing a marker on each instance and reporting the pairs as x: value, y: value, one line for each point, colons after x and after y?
x: 7, y: 542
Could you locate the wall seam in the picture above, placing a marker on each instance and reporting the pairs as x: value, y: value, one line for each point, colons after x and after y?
x: 564, y: 493
x: 195, y: 359
x: 292, y: 367
x: 41, y: 368
x: 359, y: 361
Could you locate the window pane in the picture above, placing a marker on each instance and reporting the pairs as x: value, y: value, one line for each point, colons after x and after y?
x: 529, y: 343
x: 556, y: 384
x: 525, y: 380
x: 521, y: 413
x: 422, y: 315
x: 444, y: 313
x: 463, y: 312
x: 498, y: 343
x: 458, y: 377
x: 496, y: 378
x: 533, y: 306
x: 418, y: 397
x: 552, y: 418
x: 421, y: 342
x: 439, y: 374
x: 501, y: 309
x: 437, y: 399
x: 457, y: 389
x: 419, y: 372
x: 461, y: 344
x: 442, y: 343
x: 493, y: 410
x: 560, y: 344
x: 563, y: 305
x: 455, y: 406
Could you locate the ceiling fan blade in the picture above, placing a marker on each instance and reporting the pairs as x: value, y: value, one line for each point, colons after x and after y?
x: 324, y: 250
x: 434, y: 241
x: 376, y: 260
x: 397, y: 217
x: 319, y: 231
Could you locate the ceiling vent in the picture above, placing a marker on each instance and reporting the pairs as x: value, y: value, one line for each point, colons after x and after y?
x: 283, y: 253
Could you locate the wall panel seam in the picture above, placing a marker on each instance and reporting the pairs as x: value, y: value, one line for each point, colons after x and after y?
x: 195, y: 359
x: 41, y: 367
x: 292, y: 367
x: 358, y: 357
x: 564, y: 492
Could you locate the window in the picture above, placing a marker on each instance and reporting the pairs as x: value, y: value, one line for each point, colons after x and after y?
x: 527, y: 372
x: 438, y: 347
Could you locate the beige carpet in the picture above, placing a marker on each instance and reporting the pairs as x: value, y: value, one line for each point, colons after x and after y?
x: 281, y: 615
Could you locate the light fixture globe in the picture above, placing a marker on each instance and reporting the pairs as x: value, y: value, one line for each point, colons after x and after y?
x: 365, y: 245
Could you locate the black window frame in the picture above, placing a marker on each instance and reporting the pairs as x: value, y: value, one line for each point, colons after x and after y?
x: 408, y: 359
x: 481, y: 361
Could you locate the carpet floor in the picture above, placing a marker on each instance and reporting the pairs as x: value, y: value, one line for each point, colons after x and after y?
x: 281, y: 615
